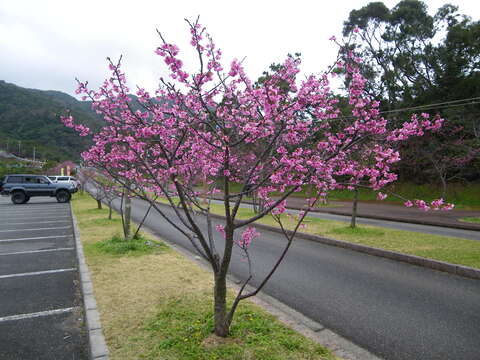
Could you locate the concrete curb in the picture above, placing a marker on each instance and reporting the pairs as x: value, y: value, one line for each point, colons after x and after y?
x: 454, y: 269
x: 307, y: 327
x: 98, y: 349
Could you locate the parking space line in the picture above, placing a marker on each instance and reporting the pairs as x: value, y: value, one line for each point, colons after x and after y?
x: 36, y: 238
x: 37, y: 314
x: 51, y: 228
x: 35, y: 217
x: 32, y: 212
x: 46, y: 272
x: 37, y: 251
x: 26, y: 213
x: 37, y: 222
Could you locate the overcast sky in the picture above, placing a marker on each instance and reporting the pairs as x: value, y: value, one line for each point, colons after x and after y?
x: 45, y: 44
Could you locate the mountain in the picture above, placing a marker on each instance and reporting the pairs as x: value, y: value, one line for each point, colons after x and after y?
x: 30, y: 118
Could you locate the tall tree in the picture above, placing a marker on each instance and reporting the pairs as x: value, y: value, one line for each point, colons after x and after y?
x: 218, y: 126
x: 413, y: 59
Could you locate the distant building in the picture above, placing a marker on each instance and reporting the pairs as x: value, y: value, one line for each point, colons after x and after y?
x: 64, y: 168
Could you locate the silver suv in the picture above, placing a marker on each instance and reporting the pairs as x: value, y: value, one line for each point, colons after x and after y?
x: 61, y: 178
x: 21, y: 187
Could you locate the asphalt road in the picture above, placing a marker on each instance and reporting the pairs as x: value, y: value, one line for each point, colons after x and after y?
x: 395, y: 310
x: 427, y: 229
x: 41, y: 315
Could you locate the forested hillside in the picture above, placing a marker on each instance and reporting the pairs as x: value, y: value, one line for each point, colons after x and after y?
x: 31, y: 118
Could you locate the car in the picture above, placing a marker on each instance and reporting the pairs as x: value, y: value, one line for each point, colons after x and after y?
x: 21, y: 187
x: 61, y: 178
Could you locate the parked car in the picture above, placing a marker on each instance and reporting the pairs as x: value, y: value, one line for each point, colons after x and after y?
x: 70, y: 179
x: 21, y: 187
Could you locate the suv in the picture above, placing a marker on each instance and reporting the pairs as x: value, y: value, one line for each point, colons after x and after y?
x: 23, y: 187
x: 60, y: 178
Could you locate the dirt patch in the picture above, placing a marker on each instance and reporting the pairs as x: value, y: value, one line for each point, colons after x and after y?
x: 214, y: 341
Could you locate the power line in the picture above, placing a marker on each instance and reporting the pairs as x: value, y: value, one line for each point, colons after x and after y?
x: 439, y: 105
x: 442, y: 105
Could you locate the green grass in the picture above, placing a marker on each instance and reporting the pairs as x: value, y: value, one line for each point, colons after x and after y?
x: 155, y: 304
x: 464, y: 196
x: 183, y: 328
x: 116, y: 245
x: 358, y: 231
x: 475, y: 220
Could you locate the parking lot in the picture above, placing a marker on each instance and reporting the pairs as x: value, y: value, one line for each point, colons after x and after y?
x: 41, y: 314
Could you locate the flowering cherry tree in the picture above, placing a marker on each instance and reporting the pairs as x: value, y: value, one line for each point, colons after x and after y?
x: 216, y: 126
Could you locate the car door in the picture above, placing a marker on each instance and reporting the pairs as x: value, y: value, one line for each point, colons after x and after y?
x: 31, y: 186
x: 45, y: 186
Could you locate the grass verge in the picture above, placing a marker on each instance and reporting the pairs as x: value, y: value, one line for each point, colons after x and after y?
x: 155, y: 304
x: 475, y: 220
x: 453, y: 250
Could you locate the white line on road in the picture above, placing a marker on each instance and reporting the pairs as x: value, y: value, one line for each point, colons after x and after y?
x: 37, y: 314
x: 34, y: 217
x: 38, y: 222
x: 36, y: 238
x: 51, y: 228
x: 36, y: 273
x: 40, y: 211
x: 37, y: 251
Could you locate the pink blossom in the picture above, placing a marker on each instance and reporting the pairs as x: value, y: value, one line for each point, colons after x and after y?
x: 381, y: 196
x: 247, y: 236
x: 220, y: 229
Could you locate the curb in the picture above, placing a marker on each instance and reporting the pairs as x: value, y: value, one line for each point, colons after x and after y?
x: 438, y: 265
x: 338, y: 345
x: 98, y: 349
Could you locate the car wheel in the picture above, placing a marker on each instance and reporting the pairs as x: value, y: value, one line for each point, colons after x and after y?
x: 18, y: 197
x: 26, y: 199
x: 63, y: 196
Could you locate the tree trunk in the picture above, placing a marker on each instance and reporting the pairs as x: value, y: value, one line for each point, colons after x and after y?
x: 222, y: 325
x: 353, y: 222
x: 127, y: 215
x: 110, y: 212
x: 444, y: 187
x: 99, y: 204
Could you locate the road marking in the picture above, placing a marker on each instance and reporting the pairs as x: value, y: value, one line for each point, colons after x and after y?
x: 37, y: 273
x: 37, y: 251
x: 50, y: 213
x: 35, y: 217
x: 35, y: 315
x: 39, y: 216
x: 36, y: 238
x: 38, y: 222
x: 51, y: 228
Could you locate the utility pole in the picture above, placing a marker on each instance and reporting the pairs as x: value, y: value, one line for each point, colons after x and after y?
x: 19, y: 147
x: 34, y: 153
